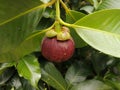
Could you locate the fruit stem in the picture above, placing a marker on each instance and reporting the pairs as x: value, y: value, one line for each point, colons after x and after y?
x: 57, y: 23
x: 64, y: 6
x: 58, y: 19
x: 57, y: 26
x: 38, y: 32
x: 57, y: 10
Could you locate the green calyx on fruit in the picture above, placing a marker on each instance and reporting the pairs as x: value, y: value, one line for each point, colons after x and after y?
x: 51, y: 33
x: 65, y: 29
x: 62, y: 35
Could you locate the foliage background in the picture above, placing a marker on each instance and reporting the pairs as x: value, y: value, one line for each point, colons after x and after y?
x: 95, y: 64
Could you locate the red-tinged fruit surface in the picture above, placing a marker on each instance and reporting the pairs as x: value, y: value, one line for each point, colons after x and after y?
x: 57, y: 51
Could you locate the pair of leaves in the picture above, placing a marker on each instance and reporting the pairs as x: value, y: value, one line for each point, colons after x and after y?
x: 77, y: 73
x: 74, y: 78
x: 54, y: 78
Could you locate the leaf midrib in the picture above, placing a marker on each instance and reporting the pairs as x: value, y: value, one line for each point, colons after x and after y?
x: 54, y: 80
x: 27, y: 66
x: 23, y: 13
x: 98, y: 30
x: 72, y: 80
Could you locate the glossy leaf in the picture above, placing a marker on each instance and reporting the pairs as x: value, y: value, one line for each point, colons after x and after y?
x: 16, y: 26
x: 91, y: 85
x: 109, y: 4
x: 77, y: 73
x: 53, y: 77
x: 101, y: 31
x: 30, y: 44
x: 28, y: 67
x: 71, y: 17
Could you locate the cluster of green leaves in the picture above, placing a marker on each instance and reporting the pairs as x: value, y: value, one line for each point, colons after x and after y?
x: 95, y: 23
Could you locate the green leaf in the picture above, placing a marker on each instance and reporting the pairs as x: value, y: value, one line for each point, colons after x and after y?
x: 76, y: 38
x: 16, y: 26
x: 109, y: 4
x: 30, y: 44
x: 28, y: 67
x: 101, y: 30
x: 53, y: 77
x: 12, y: 9
x: 91, y: 85
x: 71, y: 17
x: 99, y: 61
x: 77, y: 73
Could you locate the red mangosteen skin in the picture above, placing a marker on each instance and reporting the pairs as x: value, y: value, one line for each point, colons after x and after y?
x: 57, y: 51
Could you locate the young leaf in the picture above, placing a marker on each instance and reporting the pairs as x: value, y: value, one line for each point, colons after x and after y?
x: 101, y: 31
x: 109, y: 4
x: 76, y: 74
x: 91, y: 85
x: 28, y: 67
x: 52, y: 76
